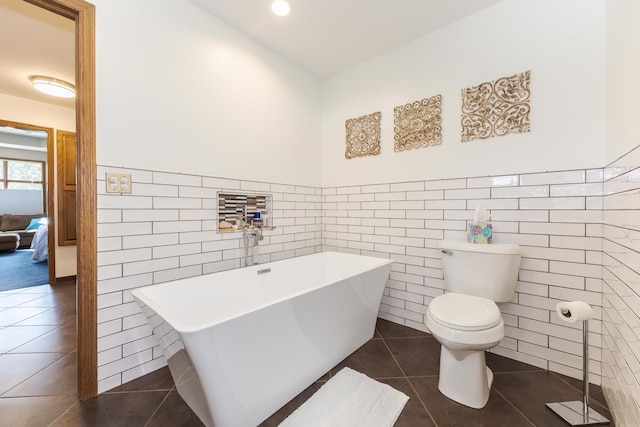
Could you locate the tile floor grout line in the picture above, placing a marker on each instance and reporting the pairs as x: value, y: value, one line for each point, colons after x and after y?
x: 396, y: 378
x: 77, y: 402
x: 408, y: 338
x: 410, y: 384
x: 528, y: 371
x: 422, y: 376
x: 137, y: 391
x: 36, y: 296
x: 422, y: 403
x: 513, y: 406
x: 58, y: 334
x: 35, y: 373
x: 39, y: 314
x: 157, y: 409
x: 55, y: 329
x: 404, y: 374
x: 33, y: 296
x: 45, y: 368
x: 27, y: 318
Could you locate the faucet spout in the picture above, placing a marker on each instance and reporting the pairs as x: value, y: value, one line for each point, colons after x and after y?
x: 251, y: 238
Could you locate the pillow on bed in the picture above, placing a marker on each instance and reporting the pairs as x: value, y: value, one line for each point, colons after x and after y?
x: 34, y: 224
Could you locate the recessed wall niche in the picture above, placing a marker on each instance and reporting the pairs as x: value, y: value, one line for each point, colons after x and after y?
x: 233, y: 208
x: 496, y: 108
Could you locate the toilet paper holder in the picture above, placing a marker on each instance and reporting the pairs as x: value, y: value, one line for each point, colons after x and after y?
x: 578, y: 413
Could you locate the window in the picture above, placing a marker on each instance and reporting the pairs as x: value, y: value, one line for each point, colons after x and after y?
x: 21, y: 174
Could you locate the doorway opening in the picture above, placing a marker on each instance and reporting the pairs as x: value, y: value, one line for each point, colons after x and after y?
x: 26, y: 206
x: 83, y: 13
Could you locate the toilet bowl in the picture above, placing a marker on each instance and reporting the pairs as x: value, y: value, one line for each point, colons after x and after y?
x: 466, y: 326
x: 466, y: 320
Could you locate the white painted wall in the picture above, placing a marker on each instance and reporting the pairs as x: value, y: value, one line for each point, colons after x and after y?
x: 13, y: 153
x: 180, y: 91
x: 19, y: 202
x: 562, y: 43
x: 23, y: 110
x: 623, y: 69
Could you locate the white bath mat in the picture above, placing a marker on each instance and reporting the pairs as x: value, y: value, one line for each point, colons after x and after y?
x: 349, y: 399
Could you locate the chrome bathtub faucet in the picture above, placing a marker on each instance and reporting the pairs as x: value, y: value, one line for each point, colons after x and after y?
x: 251, y: 239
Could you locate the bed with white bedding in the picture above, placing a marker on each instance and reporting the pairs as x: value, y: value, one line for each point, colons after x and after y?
x: 39, y: 244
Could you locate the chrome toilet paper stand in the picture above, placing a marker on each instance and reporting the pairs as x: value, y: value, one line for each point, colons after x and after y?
x: 578, y: 413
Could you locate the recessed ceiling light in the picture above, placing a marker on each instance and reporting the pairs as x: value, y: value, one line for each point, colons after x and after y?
x: 280, y: 7
x: 54, y: 87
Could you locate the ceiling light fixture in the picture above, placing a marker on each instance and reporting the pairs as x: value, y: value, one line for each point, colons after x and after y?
x: 280, y: 7
x: 54, y: 87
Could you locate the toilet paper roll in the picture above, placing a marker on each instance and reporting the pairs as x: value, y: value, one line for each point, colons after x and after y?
x: 574, y: 311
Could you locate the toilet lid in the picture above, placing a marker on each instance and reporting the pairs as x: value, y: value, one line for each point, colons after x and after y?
x: 464, y: 312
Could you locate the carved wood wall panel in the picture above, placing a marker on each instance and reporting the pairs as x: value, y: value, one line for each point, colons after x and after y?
x: 418, y: 124
x: 363, y: 136
x: 496, y: 108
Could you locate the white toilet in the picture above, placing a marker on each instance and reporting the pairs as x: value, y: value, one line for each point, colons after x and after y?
x: 466, y: 319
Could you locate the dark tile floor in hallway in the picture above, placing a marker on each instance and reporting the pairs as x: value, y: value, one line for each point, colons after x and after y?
x: 38, y: 371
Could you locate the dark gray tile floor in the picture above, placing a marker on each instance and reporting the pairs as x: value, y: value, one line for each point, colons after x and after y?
x: 38, y: 372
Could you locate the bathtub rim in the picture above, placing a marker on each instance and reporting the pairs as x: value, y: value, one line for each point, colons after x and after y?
x: 165, y: 313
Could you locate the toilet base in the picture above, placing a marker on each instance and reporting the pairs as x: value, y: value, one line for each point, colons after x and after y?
x: 465, y: 377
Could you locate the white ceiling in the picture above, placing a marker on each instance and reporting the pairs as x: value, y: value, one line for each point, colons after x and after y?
x: 322, y: 37
x: 34, y: 42
x: 325, y: 37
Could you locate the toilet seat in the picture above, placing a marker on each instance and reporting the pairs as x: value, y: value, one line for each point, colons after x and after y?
x: 464, y: 312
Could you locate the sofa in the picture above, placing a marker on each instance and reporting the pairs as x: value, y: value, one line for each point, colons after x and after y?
x: 24, y: 226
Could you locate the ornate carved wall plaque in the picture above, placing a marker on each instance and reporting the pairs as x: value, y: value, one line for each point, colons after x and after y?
x: 363, y: 136
x: 496, y: 108
x: 418, y: 124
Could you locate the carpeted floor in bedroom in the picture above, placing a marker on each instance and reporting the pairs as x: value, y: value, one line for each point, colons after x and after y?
x: 18, y: 270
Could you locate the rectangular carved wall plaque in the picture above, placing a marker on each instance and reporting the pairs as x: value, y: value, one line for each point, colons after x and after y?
x: 496, y: 108
x: 418, y: 124
x: 363, y: 136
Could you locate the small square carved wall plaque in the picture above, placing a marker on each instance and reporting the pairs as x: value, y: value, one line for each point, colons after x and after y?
x: 496, y: 108
x: 418, y: 124
x: 363, y: 136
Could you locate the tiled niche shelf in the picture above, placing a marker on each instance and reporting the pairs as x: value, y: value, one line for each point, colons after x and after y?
x: 233, y: 207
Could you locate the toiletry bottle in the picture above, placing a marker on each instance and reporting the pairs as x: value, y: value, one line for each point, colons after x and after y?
x: 257, y: 219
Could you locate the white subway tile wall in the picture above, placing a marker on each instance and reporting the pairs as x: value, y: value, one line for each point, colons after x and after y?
x: 621, y: 288
x: 556, y: 217
x: 166, y: 230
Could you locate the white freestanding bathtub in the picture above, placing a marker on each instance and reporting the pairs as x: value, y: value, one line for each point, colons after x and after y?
x: 241, y: 343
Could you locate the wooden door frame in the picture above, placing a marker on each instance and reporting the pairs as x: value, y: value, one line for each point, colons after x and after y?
x: 83, y: 14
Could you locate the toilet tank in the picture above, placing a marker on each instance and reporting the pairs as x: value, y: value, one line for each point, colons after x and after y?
x: 484, y: 270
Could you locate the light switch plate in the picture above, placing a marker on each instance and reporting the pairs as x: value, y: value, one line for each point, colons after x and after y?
x: 118, y: 183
